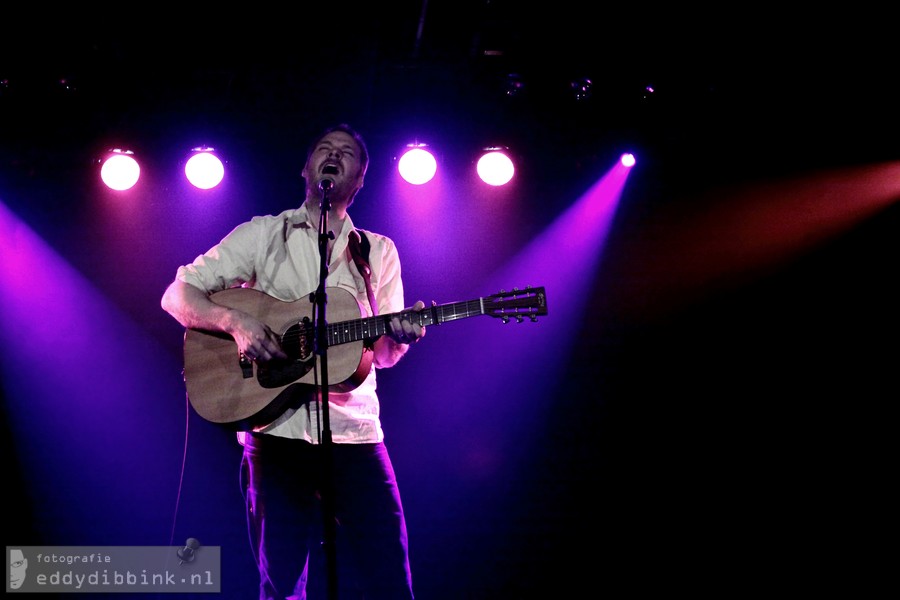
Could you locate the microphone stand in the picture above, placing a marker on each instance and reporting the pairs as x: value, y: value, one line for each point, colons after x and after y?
x: 321, y: 346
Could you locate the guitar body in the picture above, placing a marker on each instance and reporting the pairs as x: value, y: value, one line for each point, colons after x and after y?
x: 224, y: 388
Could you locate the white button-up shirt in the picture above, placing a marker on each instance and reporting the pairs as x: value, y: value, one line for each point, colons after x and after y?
x: 279, y: 255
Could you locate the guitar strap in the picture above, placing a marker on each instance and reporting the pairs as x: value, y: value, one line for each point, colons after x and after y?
x: 359, y: 250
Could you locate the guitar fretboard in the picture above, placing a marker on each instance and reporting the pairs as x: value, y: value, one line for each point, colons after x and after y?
x: 370, y: 327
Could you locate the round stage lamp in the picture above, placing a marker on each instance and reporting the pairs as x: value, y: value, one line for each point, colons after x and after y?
x: 495, y: 167
x: 204, y: 169
x: 417, y: 165
x: 120, y: 171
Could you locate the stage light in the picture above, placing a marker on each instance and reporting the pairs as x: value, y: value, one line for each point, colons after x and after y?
x: 627, y: 159
x: 514, y: 85
x: 495, y: 166
x: 120, y: 170
x: 582, y: 88
x: 204, y: 169
x: 417, y: 165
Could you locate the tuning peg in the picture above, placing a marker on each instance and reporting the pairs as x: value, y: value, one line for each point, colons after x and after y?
x: 504, y: 319
x: 533, y: 318
x: 519, y: 318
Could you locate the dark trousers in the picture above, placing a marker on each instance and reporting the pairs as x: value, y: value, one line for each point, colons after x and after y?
x: 282, y: 484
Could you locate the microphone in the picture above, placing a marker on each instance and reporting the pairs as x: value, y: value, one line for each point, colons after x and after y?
x: 186, y: 554
x: 326, y: 184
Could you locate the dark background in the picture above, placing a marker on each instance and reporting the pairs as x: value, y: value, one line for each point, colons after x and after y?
x: 702, y: 438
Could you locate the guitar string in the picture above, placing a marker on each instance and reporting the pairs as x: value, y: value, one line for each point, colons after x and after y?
x: 355, y: 330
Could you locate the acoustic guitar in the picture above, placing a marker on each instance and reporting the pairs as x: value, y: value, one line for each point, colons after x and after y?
x: 226, y: 388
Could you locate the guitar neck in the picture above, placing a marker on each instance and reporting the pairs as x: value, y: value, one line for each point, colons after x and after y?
x: 372, y: 327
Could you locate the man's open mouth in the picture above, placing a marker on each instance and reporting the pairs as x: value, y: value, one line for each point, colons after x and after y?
x: 330, y: 170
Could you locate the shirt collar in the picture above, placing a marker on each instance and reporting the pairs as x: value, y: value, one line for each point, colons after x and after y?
x: 300, y: 217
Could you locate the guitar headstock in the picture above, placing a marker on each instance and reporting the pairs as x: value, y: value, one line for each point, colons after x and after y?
x: 517, y: 304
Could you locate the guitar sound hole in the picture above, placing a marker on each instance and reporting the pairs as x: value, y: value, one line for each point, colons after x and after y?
x: 296, y: 344
x: 297, y: 341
